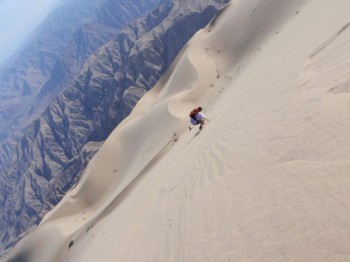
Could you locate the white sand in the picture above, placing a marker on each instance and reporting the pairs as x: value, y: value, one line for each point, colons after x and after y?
x: 266, y: 180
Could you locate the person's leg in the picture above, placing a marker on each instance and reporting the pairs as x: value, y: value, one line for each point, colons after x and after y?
x: 195, y: 124
x: 201, y: 124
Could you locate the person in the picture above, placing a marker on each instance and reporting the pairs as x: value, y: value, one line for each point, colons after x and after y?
x: 197, y: 117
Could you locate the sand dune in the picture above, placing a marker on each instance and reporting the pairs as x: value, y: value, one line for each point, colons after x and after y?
x: 266, y: 180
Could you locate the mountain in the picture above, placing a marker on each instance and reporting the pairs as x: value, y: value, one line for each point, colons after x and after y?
x: 82, y: 103
x: 54, y: 56
x: 267, y: 179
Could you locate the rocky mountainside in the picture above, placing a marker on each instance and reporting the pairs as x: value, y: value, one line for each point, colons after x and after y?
x: 52, y: 58
x: 89, y: 90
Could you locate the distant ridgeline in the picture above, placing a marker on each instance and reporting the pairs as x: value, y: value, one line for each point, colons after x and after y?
x: 80, y: 75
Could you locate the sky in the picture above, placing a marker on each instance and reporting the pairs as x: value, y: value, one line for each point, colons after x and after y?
x: 17, y: 20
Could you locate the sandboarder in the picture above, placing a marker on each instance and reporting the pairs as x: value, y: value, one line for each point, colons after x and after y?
x: 197, y: 117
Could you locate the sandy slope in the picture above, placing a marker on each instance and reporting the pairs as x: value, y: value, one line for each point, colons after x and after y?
x: 266, y: 180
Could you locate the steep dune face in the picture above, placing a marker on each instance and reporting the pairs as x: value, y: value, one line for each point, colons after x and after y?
x: 45, y: 160
x: 265, y: 180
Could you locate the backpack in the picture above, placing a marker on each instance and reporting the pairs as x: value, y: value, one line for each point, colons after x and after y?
x: 193, y: 113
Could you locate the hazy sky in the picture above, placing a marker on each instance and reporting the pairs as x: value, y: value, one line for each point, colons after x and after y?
x: 17, y: 19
